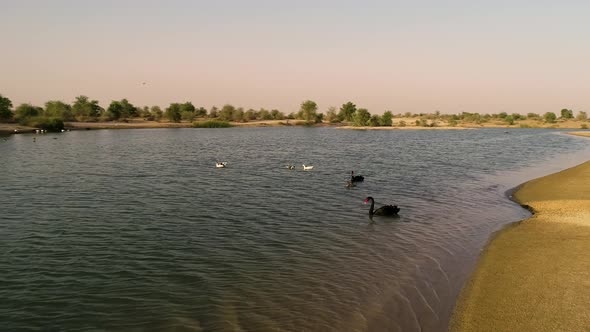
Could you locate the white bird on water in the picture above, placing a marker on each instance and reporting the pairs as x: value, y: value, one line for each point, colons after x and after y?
x: 306, y: 168
x: 220, y: 164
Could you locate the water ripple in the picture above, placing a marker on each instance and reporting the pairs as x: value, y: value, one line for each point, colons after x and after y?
x: 137, y: 230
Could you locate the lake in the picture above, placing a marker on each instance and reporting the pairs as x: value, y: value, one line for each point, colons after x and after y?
x: 138, y: 230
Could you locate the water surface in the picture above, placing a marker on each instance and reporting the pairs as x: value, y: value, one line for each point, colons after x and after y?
x: 137, y: 229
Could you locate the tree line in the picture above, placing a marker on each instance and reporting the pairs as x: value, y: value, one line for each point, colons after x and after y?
x: 85, y: 109
x: 56, y: 112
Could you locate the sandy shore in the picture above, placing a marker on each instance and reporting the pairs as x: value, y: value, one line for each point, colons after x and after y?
x: 535, y: 274
x: 580, y: 133
x: 9, y: 128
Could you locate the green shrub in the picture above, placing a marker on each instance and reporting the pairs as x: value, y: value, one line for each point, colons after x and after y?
x: 584, y: 126
x: 43, y: 122
x: 188, y: 116
x: 212, y: 124
x: 423, y: 123
x: 509, y: 119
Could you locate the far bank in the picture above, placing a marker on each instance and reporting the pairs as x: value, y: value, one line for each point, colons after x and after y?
x: 15, y: 128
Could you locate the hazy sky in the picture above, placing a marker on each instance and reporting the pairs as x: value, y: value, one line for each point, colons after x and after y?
x: 418, y: 56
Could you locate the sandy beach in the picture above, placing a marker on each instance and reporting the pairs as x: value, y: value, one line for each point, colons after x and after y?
x: 580, y: 133
x: 534, y: 275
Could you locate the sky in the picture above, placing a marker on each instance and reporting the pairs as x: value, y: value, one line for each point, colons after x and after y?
x: 404, y: 56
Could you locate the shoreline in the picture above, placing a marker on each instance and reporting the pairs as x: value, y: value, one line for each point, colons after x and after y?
x: 534, y: 274
x: 405, y: 128
x: 9, y: 128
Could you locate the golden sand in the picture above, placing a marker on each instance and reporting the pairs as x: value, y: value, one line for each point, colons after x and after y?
x: 535, y: 275
x: 581, y: 133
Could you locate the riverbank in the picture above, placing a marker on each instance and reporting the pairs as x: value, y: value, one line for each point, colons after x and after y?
x: 580, y: 133
x: 534, y: 275
x: 139, y: 123
x: 9, y: 128
x: 12, y: 128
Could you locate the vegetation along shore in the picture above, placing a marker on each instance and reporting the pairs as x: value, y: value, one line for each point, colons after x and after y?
x: 535, y: 274
x: 85, y: 113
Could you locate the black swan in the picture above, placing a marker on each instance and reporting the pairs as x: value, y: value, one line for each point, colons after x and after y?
x: 356, y: 178
x: 386, y: 210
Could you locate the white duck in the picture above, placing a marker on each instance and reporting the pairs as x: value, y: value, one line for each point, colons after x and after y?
x: 220, y: 164
x: 306, y: 168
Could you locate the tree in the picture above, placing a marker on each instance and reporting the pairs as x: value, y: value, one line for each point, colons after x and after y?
x: 24, y: 111
x: 84, y: 109
x: 187, y: 107
x: 582, y: 116
x: 361, y: 117
x: 213, y: 112
x: 567, y: 114
x: 201, y: 112
x: 114, y: 110
x: 127, y: 109
x: 532, y: 115
x: 319, y: 117
x: 238, y: 115
x: 250, y: 115
x: 277, y: 115
x: 386, y: 119
x: 187, y: 115
x: 264, y: 114
x: 156, y: 112
x: 347, y: 111
x: 5, y: 108
x: 550, y: 117
x: 509, y: 119
x: 502, y: 115
x: 331, y: 116
x: 375, y: 120
x: 145, y: 112
x: 226, y: 112
x: 309, y: 110
x: 173, y: 112
x: 57, y: 108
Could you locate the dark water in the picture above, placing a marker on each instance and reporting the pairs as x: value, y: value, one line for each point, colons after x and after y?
x: 137, y: 230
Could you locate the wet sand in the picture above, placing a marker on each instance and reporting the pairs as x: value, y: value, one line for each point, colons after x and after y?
x: 580, y: 133
x: 535, y: 274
